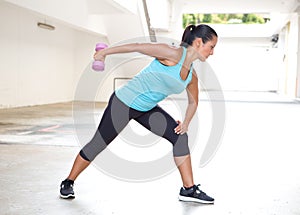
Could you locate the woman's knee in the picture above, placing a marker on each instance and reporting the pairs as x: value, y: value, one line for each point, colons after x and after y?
x: 94, y: 147
x: 180, y: 146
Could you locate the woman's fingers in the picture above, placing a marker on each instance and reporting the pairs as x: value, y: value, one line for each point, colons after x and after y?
x: 181, y: 128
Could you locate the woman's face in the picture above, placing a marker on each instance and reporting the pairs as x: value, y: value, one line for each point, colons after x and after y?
x: 207, y: 49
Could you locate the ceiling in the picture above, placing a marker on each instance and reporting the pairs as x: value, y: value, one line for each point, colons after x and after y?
x: 279, y: 11
x: 99, y: 15
x: 237, y: 6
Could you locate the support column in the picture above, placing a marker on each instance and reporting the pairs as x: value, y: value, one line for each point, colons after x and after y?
x: 288, y: 76
x: 298, y: 61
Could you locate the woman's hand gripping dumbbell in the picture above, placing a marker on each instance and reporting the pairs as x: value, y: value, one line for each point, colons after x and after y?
x: 98, y: 65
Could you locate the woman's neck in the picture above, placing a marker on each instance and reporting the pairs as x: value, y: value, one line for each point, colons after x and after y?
x: 193, y: 54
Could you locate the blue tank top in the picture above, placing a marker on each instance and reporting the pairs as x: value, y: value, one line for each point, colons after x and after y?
x: 153, y: 84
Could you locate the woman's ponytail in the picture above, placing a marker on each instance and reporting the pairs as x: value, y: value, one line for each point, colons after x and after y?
x: 188, y: 36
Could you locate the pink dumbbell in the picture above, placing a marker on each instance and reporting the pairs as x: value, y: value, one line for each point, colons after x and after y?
x: 99, y: 65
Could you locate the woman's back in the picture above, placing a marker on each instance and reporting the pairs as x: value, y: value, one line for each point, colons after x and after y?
x: 153, y: 84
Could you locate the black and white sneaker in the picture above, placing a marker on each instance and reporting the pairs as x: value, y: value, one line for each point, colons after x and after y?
x: 194, y: 194
x: 66, y: 189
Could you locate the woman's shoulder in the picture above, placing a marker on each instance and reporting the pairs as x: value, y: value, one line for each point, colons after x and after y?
x: 173, y: 56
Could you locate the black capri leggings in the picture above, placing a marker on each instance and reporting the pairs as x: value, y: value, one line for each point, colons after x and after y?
x: 117, y: 115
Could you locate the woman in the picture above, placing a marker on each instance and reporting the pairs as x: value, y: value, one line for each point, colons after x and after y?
x: 170, y: 72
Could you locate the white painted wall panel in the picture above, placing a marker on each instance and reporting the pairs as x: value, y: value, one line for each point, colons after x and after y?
x: 39, y: 66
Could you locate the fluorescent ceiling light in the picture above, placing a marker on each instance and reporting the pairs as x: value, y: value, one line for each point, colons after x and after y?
x: 46, y: 26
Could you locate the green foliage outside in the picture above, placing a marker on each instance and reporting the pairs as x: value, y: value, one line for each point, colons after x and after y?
x: 223, y: 19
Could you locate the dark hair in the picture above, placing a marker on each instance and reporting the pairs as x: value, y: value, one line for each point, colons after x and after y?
x: 192, y: 32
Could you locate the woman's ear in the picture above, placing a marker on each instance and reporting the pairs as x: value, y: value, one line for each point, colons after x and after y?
x: 199, y: 42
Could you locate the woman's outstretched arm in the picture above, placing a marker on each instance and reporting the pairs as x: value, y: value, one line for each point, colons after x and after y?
x: 156, y: 50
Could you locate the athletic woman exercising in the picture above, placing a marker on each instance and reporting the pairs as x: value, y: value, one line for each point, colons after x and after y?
x: 170, y: 72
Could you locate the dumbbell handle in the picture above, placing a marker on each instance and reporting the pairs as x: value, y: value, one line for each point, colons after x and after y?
x: 97, y: 64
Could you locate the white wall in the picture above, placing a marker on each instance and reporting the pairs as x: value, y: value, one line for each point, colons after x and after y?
x: 123, y: 27
x: 241, y: 65
x: 39, y: 66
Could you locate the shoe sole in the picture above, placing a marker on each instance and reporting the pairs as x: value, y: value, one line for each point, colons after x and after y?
x: 189, y: 199
x: 70, y: 196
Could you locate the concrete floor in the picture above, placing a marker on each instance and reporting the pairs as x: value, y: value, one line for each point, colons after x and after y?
x: 255, y: 171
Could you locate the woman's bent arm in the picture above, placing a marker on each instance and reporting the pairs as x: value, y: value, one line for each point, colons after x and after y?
x: 192, y: 92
